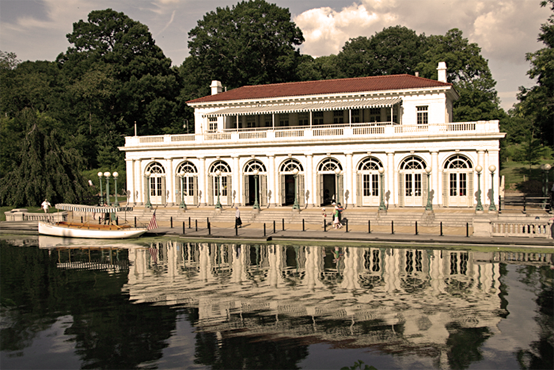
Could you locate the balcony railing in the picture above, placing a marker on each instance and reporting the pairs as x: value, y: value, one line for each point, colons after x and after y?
x: 314, y: 133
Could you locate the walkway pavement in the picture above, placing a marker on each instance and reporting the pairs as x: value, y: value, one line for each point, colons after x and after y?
x: 355, y: 234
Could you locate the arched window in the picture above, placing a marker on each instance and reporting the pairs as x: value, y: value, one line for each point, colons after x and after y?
x: 290, y: 164
x: 254, y: 165
x: 221, y: 166
x: 370, y: 164
x: 329, y: 165
x: 186, y: 167
x: 155, y: 168
x: 412, y: 163
x: 457, y: 162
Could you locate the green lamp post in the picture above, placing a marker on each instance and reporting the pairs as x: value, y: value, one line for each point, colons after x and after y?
x: 148, y: 204
x: 429, y: 206
x: 182, y: 205
x: 256, y: 205
x: 116, y: 201
x: 382, y: 206
x: 479, y: 206
x: 218, y: 174
x: 101, y: 192
x: 492, y: 206
x: 107, y: 176
x: 295, y: 174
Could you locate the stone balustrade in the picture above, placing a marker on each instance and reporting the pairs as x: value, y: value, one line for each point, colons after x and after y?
x: 21, y: 214
x: 317, y: 133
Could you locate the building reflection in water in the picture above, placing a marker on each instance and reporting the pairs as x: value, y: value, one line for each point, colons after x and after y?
x: 398, y: 299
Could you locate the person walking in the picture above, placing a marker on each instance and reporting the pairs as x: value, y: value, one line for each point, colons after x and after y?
x: 324, y: 217
x: 339, y: 208
x: 336, y: 221
x: 238, y: 221
x: 45, y: 205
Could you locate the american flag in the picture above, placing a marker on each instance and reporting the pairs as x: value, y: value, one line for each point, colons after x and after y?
x: 153, y: 224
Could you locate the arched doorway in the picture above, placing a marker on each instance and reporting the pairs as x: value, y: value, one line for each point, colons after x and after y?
x: 457, y: 182
x: 412, y: 182
x: 330, y: 180
x: 287, y: 172
x: 220, y: 183
x: 251, y: 170
x: 186, y: 181
x: 155, y: 183
x: 367, y: 180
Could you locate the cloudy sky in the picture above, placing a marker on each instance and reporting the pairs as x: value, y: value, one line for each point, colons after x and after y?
x: 504, y: 29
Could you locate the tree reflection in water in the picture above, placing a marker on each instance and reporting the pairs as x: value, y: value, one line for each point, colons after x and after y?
x: 262, y: 306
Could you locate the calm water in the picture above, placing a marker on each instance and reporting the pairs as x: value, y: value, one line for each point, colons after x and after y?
x: 174, y: 305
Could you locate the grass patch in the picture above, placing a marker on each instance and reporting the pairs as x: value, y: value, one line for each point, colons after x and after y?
x: 518, y: 177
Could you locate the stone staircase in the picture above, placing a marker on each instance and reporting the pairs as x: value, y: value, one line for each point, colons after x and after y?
x: 401, y: 217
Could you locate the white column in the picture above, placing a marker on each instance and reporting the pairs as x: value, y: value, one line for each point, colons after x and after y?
x: 435, y: 177
x: 202, y: 178
x: 236, y: 181
x: 271, y: 179
x: 276, y: 194
x: 348, y: 183
x: 139, y: 177
x: 169, y: 182
x: 130, y: 180
x: 390, y: 174
x: 309, y: 178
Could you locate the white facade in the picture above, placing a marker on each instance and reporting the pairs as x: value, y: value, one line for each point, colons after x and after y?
x: 339, y: 135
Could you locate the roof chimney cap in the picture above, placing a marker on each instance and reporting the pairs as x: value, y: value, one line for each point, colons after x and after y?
x: 442, y: 72
x: 417, y: 74
x: 216, y: 87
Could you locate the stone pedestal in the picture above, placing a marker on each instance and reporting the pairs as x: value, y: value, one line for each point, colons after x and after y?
x: 482, y: 227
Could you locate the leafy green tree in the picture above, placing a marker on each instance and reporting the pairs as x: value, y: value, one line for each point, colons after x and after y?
x: 8, y: 60
x: 253, y: 42
x: 397, y: 50
x: 394, y: 50
x: 468, y: 71
x: 115, y: 75
x: 34, y: 85
x: 532, y: 151
x: 321, y: 68
x: 537, y: 103
x: 356, y: 58
x: 44, y: 168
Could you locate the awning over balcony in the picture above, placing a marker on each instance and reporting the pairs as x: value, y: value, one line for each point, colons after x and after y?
x: 305, y: 107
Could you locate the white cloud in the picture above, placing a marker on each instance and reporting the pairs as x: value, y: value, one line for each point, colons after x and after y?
x: 326, y: 30
x: 504, y: 29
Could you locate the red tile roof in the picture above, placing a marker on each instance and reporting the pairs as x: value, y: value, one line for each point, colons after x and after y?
x: 344, y: 85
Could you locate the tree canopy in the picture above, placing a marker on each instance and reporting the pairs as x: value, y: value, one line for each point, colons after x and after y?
x: 253, y: 42
x: 537, y: 102
x: 394, y: 50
